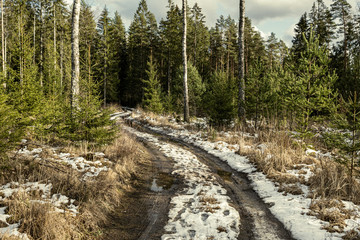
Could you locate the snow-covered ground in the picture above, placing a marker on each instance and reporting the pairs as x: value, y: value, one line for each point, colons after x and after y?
x: 60, y: 203
x: 202, y: 210
x: 291, y: 210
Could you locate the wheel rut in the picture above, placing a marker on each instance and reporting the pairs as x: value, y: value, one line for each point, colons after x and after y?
x: 257, y: 222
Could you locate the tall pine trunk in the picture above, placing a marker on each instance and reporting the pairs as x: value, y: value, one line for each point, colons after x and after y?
x: 3, y: 39
x: 75, y: 59
x: 186, y: 92
x: 55, y: 63
x: 41, y: 44
x: 241, y: 110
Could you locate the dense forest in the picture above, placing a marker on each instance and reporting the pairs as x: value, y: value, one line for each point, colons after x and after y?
x: 175, y: 128
x: 291, y: 87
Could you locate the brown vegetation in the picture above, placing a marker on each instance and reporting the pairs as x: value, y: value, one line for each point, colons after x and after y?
x: 97, y: 198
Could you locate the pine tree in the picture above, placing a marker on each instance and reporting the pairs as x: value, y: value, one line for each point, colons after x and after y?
x: 199, y: 40
x: 322, y: 22
x: 346, y: 136
x: 11, y: 129
x: 341, y: 10
x: 152, y: 89
x: 273, y: 50
x: 254, y: 47
x: 170, y: 36
x: 219, y: 99
x: 310, y: 89
x: 196, y: 88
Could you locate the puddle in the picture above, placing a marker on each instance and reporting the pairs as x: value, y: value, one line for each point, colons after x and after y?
x: 155, y: 188
x: 163, y: 181
x: 224, y: 175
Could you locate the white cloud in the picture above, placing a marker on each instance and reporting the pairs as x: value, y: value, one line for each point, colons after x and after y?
x: 260, y: 11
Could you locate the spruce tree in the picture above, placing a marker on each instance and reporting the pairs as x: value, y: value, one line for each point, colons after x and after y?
x: 152, y: 89
x: 104, y: 50
x: 220, y: 99
x: 117, y: 58
x: 142, y: 42
x: 302, y: 29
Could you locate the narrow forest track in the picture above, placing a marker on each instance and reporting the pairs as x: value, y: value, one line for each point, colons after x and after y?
x: 257, y: 222
x: 143, y: 212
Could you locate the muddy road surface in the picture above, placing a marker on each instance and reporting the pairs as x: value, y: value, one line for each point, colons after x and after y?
x: 159, y: 186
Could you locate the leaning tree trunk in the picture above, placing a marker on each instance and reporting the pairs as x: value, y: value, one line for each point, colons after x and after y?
x: 186, y: 92
x: 241, y: 110
x: 75, y: 61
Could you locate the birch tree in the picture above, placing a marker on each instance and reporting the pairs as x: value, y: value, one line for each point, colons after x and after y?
x: 75, y: 60
x: 186, y: 92
x: 241, y: 61
x: 3, y: 39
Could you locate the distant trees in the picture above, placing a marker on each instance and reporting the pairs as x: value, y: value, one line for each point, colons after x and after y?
x: 114, y: 64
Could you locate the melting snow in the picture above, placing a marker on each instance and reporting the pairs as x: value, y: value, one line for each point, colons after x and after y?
x: 291, y: 210
x: 202, y: 209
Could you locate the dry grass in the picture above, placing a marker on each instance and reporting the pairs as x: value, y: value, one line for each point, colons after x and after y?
x: 332, y: 180
x: 276, y: 152
x: 332, y: 211
x: 97, y: 198
x: 40, y: 221
x: 352, y: 235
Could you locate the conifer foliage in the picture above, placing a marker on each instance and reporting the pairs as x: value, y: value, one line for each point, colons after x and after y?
x: 152, y: 90
x: 145, y: 65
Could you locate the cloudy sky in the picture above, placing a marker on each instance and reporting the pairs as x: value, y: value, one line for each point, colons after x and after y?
x: 278, y: 16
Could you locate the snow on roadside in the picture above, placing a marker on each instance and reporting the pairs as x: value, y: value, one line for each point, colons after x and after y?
x: 202, y: 209
x: 89, y: 168
x: 291, y: 210
x: 60, y: 203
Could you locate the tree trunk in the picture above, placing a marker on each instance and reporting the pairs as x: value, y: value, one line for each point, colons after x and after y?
x: 41, y: 44
x: 106, y: 63
x: 62, y: 60
x: 34, y: 40
x: 186, y: 94
x: 3, y: 39
x: 75, y: 59
x: 169, y: 74
x: 55, y: 63
x: 241, y: 110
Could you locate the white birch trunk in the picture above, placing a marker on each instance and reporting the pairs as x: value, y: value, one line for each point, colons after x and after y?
x: 186, y: 91
x: 3, y: 39
x: 75, y: 59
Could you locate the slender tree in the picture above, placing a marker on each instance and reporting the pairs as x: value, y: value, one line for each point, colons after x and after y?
x: 341, y: 10
x: 186, y: 93
x: 75, y: 59
x: 3, y: 39
x: 241, y: 61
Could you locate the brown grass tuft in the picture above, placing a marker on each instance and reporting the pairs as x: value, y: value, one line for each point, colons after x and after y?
x: 332, y: 180
x: 332, y: 211
x: 97, y: 198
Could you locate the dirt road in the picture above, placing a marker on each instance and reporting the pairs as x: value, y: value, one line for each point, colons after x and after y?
x: 160, y: 186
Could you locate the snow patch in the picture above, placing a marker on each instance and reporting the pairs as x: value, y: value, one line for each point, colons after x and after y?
x: 201, y: 210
